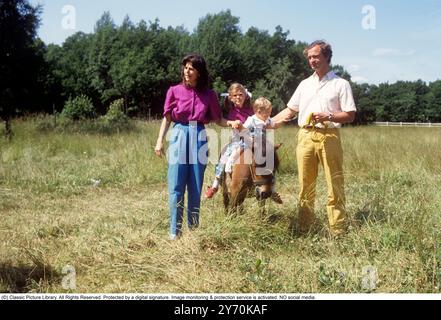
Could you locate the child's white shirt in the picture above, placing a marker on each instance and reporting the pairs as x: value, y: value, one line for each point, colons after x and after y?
x: 256, y: 123
x: 253, y: 127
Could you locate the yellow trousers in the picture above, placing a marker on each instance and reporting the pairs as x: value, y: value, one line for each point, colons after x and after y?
x: 321, y: 146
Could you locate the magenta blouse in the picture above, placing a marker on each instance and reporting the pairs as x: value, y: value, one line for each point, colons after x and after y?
x: 241, y: 114
x: 186, y: 104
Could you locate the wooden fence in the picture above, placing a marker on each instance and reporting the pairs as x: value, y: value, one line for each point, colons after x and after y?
x: 407, y: 124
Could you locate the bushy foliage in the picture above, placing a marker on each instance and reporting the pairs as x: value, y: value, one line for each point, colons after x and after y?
x: 115, y: 117
x: 78, y: 108
x: 406, y: 101
x: 138, y: 62
x: 114, y: 121
x: 21, y: 60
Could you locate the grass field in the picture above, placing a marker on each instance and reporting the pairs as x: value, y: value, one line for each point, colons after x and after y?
x: 114, y: 233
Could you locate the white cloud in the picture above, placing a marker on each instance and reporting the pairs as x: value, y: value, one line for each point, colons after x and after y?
x: 383, y: 52
x: 353, y: 67
x: 359, y: 79
x: 429, y: 34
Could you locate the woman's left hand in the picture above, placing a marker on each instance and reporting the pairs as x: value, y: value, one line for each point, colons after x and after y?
x: 236, y: 124
x: 159, y: 149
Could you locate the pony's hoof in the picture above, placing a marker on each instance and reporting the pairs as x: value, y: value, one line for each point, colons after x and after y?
x: 276, y: 198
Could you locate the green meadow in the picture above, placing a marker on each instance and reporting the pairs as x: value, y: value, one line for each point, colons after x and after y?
x: 97, y: 202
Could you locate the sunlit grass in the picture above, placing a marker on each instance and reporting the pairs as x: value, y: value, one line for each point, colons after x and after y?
x: 115, y: 233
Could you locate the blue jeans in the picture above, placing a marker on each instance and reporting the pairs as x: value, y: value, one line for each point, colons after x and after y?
x: 220, y: 167
x: 188, y: 156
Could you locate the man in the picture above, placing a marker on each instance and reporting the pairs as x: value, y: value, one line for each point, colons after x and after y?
x: 329, y: 99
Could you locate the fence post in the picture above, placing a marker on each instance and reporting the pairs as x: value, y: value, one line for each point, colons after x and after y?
x: 55, y: 115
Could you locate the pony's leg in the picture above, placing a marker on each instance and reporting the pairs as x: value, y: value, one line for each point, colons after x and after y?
x: 238, y: 195
x: 234, y: 197
x: 225, y: 194
x: 262, y: 208
x: 241, y: 181
x: 226, y: 202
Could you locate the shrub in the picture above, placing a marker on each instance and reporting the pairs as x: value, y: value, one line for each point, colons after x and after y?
x: 79, y: 108
x: 115, y: 118
x: 44, y: 123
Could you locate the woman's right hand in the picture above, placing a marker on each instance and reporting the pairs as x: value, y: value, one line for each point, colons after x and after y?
x: 159, y: 149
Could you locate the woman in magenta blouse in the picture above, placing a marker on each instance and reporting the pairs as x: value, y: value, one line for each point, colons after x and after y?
x: 190, y: 105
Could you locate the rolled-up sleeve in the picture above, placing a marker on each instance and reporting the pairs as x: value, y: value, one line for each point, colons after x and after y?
x: 170, y: 102
x: 347, y: 103
x: 214, y: 109
x: 295, y: 99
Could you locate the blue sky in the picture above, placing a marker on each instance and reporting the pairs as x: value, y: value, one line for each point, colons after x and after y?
x: 403, y: 44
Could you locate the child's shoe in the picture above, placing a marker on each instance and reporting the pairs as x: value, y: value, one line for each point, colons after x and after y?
x: 210, y: 192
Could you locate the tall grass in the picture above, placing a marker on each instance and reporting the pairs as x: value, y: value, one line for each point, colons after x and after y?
x: 98, y: 202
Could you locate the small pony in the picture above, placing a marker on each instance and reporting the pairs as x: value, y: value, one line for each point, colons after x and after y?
x: 239, y: 184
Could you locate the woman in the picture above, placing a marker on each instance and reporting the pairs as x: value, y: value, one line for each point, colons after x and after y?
x: 190, y: 105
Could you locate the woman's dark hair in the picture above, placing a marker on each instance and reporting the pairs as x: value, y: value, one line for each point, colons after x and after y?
x: 199, y: 64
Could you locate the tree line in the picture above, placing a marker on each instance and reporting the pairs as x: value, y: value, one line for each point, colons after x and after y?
x: 138, y: 62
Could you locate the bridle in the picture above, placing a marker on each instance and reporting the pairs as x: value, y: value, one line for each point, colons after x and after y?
x: 269, y: 178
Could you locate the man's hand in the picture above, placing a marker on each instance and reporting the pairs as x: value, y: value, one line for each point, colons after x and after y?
x: 275, y: 124
x: 270, y: 125
x: 320, y: 117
